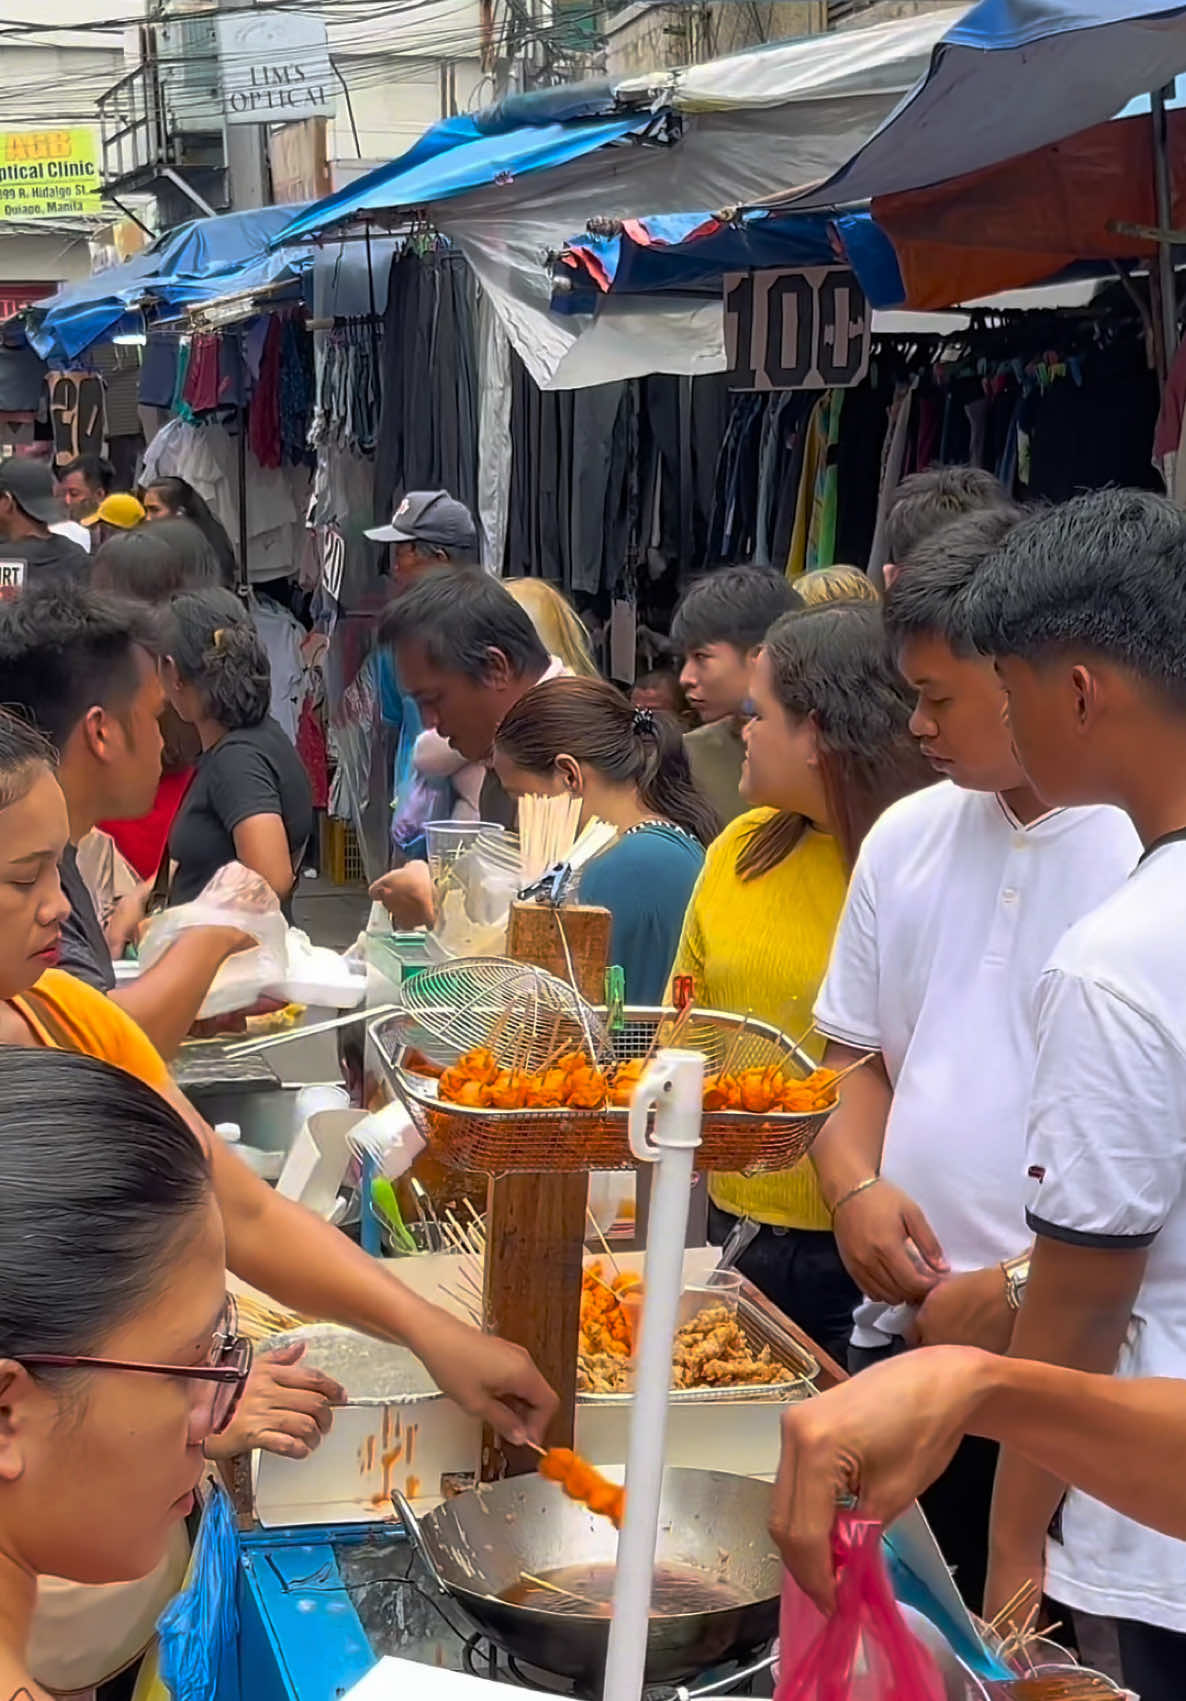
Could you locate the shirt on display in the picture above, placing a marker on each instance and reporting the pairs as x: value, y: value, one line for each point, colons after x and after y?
x: 1106, y: 1147
x: 951, y: 916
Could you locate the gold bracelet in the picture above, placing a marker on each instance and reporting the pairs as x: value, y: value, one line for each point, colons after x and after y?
x: 861, y: 1187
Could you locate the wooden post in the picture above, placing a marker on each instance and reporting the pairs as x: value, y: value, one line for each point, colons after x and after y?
x: 535, y: 1223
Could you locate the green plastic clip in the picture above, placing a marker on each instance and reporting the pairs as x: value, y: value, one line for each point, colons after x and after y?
x: 615, y: 997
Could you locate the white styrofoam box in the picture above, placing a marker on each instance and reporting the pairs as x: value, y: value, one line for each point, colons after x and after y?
x: 346, y: 1480
x: 408, y: 1680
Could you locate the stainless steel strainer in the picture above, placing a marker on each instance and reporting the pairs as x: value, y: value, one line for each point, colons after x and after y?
x: 520, y: 1013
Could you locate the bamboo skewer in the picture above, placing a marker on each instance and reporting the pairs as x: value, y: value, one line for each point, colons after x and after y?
x: 555, y: 1589
x: 617, y: 1268
x: 727, y: 1065
x: 852, y: 1068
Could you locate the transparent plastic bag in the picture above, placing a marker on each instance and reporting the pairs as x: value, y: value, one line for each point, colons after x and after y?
x: 864, y: 1651
x: 236, y: 897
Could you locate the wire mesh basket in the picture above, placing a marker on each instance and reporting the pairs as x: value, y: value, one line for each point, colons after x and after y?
x: 519, y: 1013
x: 501, y: 1141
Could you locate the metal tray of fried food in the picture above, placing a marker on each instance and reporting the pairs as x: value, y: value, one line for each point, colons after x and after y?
x: 763, y: 1326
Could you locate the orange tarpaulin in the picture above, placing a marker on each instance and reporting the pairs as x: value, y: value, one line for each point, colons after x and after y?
x: 1022, y: 221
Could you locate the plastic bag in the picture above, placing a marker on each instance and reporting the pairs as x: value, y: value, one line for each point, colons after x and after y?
x: 474, y: 901
x: 864, y: 1651
x: 236, y: 897
x: 284, y: 965
x: 199, y: 1631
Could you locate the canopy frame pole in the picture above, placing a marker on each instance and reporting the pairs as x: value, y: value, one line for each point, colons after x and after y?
x: 1166, y: 308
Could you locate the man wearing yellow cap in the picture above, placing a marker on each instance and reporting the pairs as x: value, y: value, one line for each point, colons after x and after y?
x: 119, y: 512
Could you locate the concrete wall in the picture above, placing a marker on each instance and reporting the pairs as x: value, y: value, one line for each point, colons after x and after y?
x: 395, y: 98
x: 645, y: 37
x: 54, y: 257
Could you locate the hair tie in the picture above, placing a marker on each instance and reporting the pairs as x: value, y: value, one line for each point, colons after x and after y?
x: 219, y: 635
x: 643, y: 720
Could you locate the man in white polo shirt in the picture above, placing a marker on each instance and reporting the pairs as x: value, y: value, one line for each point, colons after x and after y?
x: 957, y: 899
x: 1084, y: 610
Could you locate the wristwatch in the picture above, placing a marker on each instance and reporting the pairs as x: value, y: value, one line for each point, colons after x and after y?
x: 1017, y: 1274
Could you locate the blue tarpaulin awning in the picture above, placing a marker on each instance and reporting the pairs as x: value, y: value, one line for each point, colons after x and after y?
x: 690, y: 255
x: 1010, y: 77
x: 456, y: 156
x: 190, y: 263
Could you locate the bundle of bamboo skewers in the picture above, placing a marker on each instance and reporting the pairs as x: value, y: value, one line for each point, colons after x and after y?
x: 550, y: 832
x: 1013, y: 1638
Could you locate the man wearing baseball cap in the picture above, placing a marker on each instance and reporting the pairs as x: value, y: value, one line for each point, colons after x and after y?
x: 29, y: 552
x: 428, y: 529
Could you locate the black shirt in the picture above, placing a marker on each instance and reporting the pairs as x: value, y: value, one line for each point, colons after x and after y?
x: 253, y: 771
x: 83, y: 950
x: 40, y: 561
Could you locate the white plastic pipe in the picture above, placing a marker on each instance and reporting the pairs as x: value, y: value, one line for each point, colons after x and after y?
x: 673, y: 1087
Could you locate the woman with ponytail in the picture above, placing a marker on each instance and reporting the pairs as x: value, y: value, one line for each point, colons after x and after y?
x: 628, y: 767
x: 250, y: 800
x: 827, y: 748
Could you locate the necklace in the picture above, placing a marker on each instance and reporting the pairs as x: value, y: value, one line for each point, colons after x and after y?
x: 656, y: 821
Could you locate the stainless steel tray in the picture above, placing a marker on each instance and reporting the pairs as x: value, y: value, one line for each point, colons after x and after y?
x: 762, y: 1326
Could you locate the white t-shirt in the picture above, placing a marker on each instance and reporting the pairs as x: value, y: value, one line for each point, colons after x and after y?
x: 953, y: 911
x: 1106, y: 1145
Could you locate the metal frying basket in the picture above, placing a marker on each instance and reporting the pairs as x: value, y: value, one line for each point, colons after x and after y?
x: 501, y: 1141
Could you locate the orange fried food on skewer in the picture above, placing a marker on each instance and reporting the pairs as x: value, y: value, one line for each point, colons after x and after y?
x: 625, y: 1079
x: 582, y: 1483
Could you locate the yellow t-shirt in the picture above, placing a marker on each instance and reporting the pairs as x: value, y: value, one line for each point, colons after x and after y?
x: 763, y: 945
x: 69, y: 1015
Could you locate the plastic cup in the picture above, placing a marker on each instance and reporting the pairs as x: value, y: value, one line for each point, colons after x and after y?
x: 447, y: 840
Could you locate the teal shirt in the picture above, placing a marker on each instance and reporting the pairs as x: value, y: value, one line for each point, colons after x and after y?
x: 645, y: 881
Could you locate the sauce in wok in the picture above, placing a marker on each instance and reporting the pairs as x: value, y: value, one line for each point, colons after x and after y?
x: 678, y: 1589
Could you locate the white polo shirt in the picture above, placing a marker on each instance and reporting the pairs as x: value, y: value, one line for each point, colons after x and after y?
x: 953, y: 911
x: 1106, y: 1146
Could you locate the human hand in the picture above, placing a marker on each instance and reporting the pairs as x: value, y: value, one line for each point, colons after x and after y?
x: 126, y: 918
x: 971, y: 1310
x: 888, y: 1246
x: 286, y: 1408
x: 882, y: 1437
x: 406, y: 894
x: 488, y: 1377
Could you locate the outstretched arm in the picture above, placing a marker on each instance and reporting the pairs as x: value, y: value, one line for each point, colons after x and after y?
x: 891, y: 1431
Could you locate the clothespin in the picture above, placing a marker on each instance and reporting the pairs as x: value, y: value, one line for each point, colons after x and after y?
x: 615, y: 998
x: 683, y: 990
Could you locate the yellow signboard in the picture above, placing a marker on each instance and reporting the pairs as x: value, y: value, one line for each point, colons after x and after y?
x: 47, y: 174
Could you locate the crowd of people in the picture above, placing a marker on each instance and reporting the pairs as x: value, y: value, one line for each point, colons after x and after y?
x: 935, y: 836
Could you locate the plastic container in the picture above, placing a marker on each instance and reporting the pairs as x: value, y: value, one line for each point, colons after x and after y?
x: 447, y: 840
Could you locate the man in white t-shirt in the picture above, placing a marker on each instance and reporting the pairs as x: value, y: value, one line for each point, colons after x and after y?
x: 958, y: 897
x: 1084, y: 610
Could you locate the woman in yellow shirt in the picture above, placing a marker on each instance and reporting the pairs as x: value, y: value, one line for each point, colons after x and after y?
x: 827, y: 749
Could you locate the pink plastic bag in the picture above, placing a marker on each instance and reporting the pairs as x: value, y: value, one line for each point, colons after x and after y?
x: 864, y: 1652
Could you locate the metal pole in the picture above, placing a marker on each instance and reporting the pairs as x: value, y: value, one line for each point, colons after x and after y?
x: 1163, y: 186
x: 673, y: 1088
x: 244, y: 586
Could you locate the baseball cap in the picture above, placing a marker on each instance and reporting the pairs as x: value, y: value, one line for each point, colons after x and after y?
x: 431, y: 517
x: 120, y: 509
x: 31, y: 486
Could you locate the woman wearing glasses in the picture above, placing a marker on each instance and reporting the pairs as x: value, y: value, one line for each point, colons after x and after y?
x: 117, y: 1370
x: 272, y: 1243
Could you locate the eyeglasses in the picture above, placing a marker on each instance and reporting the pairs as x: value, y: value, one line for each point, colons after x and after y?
x: 228, y: 1369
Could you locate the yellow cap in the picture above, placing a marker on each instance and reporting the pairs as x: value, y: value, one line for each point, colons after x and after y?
x: 119, y: 509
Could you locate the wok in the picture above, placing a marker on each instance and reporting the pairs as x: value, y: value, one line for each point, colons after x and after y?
x: 481, y: 1543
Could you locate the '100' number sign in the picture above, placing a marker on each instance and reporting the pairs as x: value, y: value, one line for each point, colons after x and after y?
x: 805, y: 330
